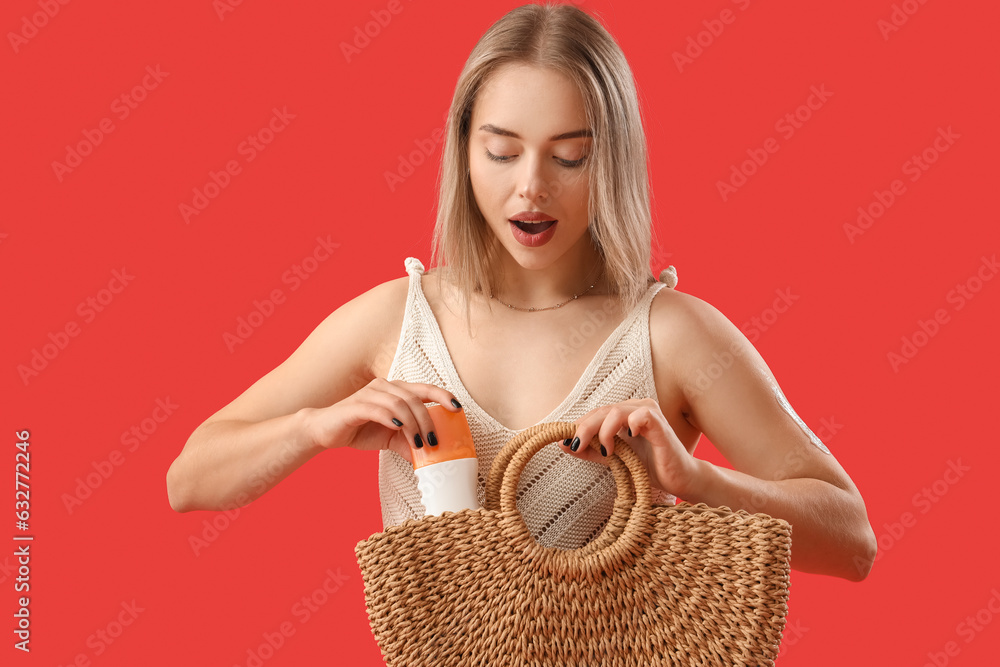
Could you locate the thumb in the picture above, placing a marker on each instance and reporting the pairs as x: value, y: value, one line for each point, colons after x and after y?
x: 652, y: 427
x: 659, y: 444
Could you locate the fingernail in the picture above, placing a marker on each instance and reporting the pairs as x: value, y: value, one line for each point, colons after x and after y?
x: 576, y: 444
x: 456, y: 403
x: 396, y: 422
x: 431, y: 438
x: 604, y: 452
x: 567, y: 441
x: 417, y: 441
x: 630, y: 432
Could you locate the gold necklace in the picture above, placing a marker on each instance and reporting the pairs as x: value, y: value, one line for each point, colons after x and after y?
x: 531, y: 310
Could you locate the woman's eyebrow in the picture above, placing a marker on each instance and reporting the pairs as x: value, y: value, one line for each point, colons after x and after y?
x: 489, y: 127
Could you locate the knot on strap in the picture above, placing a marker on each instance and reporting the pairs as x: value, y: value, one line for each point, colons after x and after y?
x: 413, y: 264
x: 669, y: 276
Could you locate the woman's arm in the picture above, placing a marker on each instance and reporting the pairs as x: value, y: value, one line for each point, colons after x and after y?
x: 262, y: 436
x: 228, y: 463
x: 781, y: 467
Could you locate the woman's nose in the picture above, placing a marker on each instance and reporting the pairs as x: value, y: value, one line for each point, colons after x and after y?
x: 534, y: 179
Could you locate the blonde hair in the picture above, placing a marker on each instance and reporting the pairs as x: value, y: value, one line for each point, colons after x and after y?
x: 569, y: 41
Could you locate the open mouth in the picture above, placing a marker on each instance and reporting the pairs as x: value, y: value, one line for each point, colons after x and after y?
x: 533, y: 227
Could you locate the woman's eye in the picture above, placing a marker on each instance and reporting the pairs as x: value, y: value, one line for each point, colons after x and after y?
x: 497, y: 158
x: 506, y: 158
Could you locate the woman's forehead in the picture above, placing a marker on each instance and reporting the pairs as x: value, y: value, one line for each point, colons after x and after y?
x: 529, y: 102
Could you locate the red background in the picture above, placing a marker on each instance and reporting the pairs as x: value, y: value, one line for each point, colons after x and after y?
x: 324, y: 174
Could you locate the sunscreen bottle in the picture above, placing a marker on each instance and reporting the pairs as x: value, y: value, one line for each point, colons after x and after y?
x: 447, y: 473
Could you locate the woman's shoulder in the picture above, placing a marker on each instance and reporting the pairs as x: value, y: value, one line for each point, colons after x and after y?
x: 688, y: 319
x: 690, y: 336
x: 383, y: 308
x: 380, y: 301
x: 385, y: 303
x: 671, y: 302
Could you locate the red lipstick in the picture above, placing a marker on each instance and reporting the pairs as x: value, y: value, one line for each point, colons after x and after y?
x: 533, y: 228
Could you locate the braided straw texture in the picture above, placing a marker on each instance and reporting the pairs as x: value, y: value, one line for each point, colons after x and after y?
x: 661, y: 585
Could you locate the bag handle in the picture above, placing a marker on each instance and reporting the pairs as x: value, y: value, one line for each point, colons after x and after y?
x: 627, y: 532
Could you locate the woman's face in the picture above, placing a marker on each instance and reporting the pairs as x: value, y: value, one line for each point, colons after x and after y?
x: 520, y: 160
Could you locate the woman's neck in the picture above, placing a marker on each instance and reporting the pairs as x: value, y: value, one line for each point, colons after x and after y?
x: 527, y: 287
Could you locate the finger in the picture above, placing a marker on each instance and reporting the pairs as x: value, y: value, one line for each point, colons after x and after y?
x: 586, y: 431
x: 649, y: 425
x: 614, y: 421
x: 358, y: 413
x: 434, y: 394
x: 408, y: 408
x: 429, y: 393
x: 381, y: 414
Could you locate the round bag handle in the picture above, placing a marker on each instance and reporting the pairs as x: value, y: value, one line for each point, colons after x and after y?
x: 627, y: 531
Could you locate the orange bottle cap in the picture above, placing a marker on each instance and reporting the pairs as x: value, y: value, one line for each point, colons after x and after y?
x: 453, y: 435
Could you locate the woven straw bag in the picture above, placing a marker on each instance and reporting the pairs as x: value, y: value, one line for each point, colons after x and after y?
x: 661, y: 585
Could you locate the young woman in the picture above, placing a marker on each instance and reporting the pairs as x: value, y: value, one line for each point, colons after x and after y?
x: 543, y: 309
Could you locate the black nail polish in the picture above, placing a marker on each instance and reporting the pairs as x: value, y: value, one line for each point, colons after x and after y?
x: 630, y: 432
x: 567, y: 441
x: 396, y: 422
x: 456, y: 404
x: 431, y: 438
x: 604, y: 452
x: 417, y: 441
x: 576, y: 444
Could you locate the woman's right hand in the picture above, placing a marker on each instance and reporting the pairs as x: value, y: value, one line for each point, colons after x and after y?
x: 364, y: 420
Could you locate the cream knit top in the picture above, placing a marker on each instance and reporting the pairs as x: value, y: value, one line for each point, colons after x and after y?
x: 565, y: 501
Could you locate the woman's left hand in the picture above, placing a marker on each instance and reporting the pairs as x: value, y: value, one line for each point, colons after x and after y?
x: 671, y: 468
